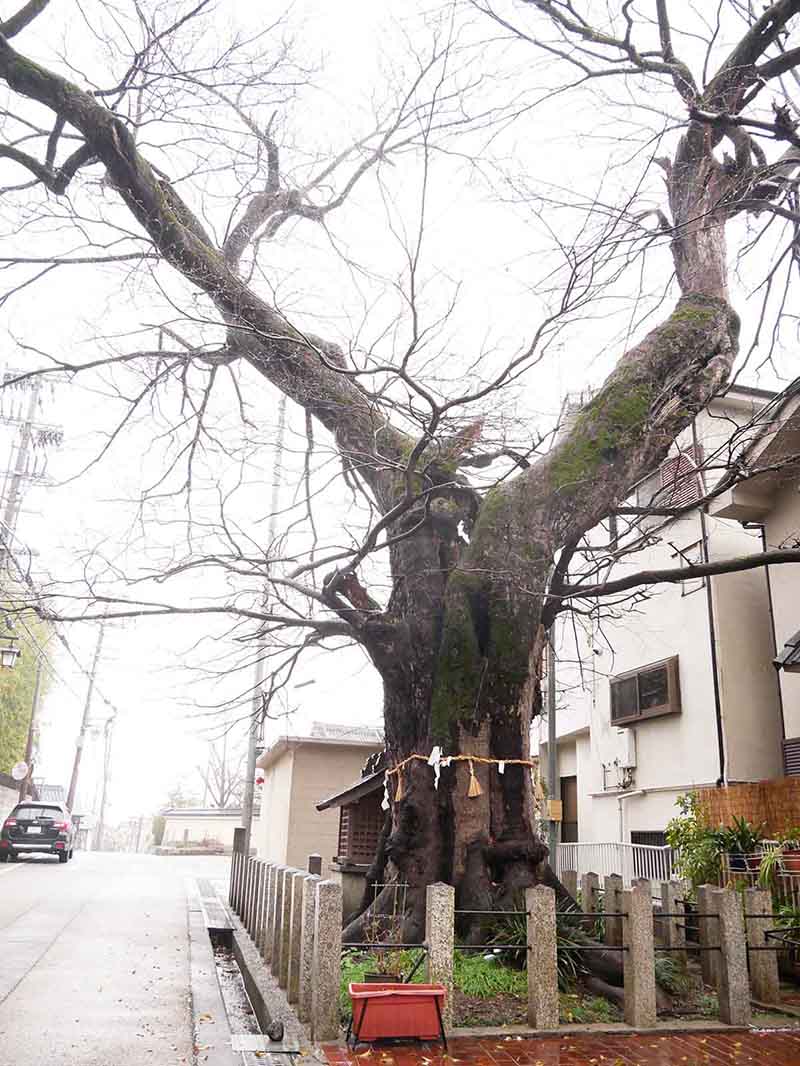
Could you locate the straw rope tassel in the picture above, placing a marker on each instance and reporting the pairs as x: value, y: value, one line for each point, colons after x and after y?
x: 474, y: 784
x: 400, y: 790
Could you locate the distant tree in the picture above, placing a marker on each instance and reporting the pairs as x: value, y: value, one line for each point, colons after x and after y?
x: 223, y: 777
x: 159, y: 825
x: 17, y: 688
x: 178, y: 797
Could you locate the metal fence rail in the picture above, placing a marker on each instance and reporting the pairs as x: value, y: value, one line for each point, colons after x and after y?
x: 630, y: 861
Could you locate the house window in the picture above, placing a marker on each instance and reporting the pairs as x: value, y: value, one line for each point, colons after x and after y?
x: 569, y: 809
x: 691, y: 556
x: 360, y: 827
x: 646, y: 693
x: 645, y: 864
x: 680, y: 483
x: 791, y: 757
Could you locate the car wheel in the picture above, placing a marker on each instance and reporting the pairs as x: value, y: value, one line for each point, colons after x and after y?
x: 3, y: 856
x: 62, y: 856
x: 12, y: 857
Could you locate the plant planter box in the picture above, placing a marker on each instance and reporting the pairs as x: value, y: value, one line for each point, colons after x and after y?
x: 791, y: 862
x: 396, y: 1012
x: 739, y: 863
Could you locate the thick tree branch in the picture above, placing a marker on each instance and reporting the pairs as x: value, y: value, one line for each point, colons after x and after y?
x: 727, y: 89
x: 672, y: 575
x: 295, y: 363
x: 55, y: 179
x: 22, y: 18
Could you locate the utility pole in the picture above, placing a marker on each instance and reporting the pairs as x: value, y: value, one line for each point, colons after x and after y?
x: 256, y: 714
x: 552, y: 746
x: 73, y: 784
x: 37, y: 685
x: 98, y: 839
x: 11, y: 512
x: 139, y: 833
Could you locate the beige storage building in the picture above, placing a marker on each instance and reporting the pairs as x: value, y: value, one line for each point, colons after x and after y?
x: 298, y: 772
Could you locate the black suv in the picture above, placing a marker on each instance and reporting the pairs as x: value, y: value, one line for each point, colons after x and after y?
x: 44, y: 828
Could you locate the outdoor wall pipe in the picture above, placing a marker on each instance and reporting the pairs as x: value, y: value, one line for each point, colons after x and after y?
x: 712, y: 632
x: 552, y: 743
x: 773, y: 637
x: 620, y: 798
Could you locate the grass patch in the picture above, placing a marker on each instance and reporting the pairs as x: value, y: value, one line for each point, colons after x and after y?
x: 475, y: 975
x: 582, y: 1010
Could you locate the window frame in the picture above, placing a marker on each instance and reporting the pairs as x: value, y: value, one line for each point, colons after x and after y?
x: 685, y: 559
x: 672, y: 705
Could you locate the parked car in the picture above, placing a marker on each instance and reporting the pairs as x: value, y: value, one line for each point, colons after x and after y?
x: 37, y: 828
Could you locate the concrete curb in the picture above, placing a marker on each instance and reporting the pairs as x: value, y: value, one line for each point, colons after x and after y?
x: 269, y: 1000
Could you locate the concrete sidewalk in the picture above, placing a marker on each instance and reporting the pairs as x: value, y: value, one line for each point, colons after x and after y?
x: 94, y: 960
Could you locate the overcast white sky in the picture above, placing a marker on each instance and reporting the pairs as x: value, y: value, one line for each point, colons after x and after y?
x: 487, y: 222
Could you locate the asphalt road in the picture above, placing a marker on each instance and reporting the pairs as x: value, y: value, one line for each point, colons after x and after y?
x: 94, y: 960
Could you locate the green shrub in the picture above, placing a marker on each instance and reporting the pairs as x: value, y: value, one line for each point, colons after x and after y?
x: 513, y: 929
x: 698, y: 848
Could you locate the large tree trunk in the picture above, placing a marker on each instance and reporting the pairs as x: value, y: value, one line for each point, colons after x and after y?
x: 466, y: 622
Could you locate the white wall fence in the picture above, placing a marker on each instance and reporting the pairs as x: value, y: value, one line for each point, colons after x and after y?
x: 630, y: 861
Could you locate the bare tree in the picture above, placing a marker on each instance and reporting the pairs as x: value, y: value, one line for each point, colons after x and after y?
x: 223, y: 776
x: 477, y: 567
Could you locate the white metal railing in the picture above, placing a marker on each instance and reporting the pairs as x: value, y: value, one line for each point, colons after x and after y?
x: 630, y: 861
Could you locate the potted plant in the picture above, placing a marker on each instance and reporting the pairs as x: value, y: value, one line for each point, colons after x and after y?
x: 389, y: 968
x: 396, y: 1011
x: 742, y: 841
x: 791, y: 851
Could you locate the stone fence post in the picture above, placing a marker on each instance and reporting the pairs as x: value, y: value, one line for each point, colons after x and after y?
x: 255, y: 902
x: 542, y: 963
x: 639, y: 956
x: 277, y: 920
x: 612, y: 904
x: 708, y: 936
x: 306, y: 974
x: 674, y: 929
x: 236, y: 867
x: 590, y: 888
x: 569, y: 879
x: 440, y: 903
x: 248, y: 889
x: 327, y: 967
x: 734, y: 987
x: 261, y: 921
x: 764, y: 980
x: 298, y: 879
x: 286, y: 926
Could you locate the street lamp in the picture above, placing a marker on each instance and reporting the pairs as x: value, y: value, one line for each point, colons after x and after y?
x: 9, y: 653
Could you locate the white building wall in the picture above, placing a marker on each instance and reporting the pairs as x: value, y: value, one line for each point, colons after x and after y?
x: 782, y: 526
x: 213, y: 827
x: 678, y: 752
x: 272, y: 839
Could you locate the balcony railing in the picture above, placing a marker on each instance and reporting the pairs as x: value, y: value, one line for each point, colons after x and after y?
x: 630, y: 861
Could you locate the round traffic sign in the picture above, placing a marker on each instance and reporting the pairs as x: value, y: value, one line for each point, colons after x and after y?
x: 19, y: 771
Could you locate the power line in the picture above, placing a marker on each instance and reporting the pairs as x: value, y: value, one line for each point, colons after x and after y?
x: 28, y: 581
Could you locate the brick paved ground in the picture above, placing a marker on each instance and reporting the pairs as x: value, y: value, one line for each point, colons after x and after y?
x: 776, y: 1048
